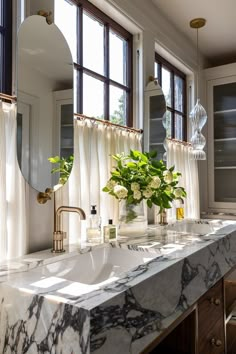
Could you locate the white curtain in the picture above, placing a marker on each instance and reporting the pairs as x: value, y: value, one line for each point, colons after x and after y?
x: 94, y: 144
x: 181, y: 157
x: 13, y: 193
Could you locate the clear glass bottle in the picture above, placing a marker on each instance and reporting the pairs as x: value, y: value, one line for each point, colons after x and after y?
x: 94, y: 226
x: 179, y: 209
x: 109, y: 232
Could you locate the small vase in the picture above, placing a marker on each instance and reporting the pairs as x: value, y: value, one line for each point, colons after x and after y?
x: 163, y: 218
x: 132, y: 219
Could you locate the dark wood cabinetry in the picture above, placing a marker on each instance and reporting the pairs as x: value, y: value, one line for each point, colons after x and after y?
x: 201, y: 330
x: 211, y: 321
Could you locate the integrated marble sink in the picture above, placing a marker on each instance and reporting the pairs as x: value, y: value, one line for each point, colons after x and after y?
x: 200, y: 227
x: 83, y: 273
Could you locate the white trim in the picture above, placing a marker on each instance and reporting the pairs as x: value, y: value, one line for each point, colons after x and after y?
x: 210, y: 141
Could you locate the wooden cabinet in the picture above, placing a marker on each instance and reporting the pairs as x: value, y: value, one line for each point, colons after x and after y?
x: 221, y: 160
x: 211, y: 321
x: 230, y: 309
x: 200, y: 331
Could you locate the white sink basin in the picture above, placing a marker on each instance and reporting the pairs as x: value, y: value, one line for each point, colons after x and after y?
x: 98, y: 265
x: 82, y: 273
x: 196, y: 227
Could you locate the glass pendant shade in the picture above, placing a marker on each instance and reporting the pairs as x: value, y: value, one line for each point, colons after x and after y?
x: 198, y: 116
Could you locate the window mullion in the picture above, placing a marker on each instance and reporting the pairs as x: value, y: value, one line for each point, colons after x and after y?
x: 172, y: 104
x: 80, y: 59
x: 107, y: 73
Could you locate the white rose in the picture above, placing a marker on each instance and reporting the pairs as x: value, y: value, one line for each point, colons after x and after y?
x: 147, y: 193
x: 168, y: 189
x: 155, y: 182
x: 120, y: 191
x: 178, y: 192
x: 137, y: 195
x: 110, y: 184
x: 168, y: 176
x: 135, y: 186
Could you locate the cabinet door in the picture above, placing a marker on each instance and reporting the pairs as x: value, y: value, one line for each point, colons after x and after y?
x: 211, y: 321
x: 222, y: 142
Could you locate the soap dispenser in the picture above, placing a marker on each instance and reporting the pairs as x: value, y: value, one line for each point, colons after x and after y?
x: 94, y: 226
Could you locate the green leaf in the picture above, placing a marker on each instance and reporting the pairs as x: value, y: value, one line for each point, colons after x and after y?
x: 153, y: 154
x: 149, y: 203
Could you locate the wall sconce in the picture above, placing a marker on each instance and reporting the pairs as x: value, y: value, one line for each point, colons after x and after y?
x: 198, y: 116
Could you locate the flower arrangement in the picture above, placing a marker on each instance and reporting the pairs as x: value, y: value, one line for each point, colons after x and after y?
x: 140, y: 176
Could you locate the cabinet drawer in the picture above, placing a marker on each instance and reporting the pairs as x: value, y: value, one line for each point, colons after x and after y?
x: 211, y: 306
x: 211, y: 340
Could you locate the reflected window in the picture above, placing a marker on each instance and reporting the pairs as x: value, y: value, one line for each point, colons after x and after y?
x: 102, y: 61
x: 5, y: 45
x: 173, y: 83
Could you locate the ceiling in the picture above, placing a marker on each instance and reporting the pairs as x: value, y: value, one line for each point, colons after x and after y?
x: 217, y: 40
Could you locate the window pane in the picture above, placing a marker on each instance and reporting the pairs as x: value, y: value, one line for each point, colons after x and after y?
x: 178, y: 87
x: 168, y: 124
x: 1, y: 62
x: 156, y: 70
x: 93, y: 97
x: 64, y: 11
x: 118, y: 58
x: 93, y: 44
x: 166, y: 85
x: 117, y: 105
x: 178, y: 127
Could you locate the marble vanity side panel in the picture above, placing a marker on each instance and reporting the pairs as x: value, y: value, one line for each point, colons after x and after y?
x: 138, y: 315
x: 33, y: 324
x: 132, y: 320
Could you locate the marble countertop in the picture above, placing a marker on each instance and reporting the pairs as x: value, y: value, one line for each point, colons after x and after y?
x: 123, y: 316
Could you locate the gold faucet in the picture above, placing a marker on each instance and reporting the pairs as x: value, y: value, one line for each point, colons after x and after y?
x: 58, y: 234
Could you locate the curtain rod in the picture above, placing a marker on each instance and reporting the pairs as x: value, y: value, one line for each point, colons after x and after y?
x: 186, y: 143
x: 106, y: 122
x: 6, y: 97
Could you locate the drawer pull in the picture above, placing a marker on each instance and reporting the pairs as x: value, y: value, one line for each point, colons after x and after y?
x: 215, y: 301
x: 216, y: 342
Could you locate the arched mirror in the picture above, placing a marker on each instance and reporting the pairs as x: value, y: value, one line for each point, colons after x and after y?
x: 156, y: 125
x: 44, y: 101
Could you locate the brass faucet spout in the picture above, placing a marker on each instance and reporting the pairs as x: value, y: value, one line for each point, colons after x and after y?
x: 58, y: 234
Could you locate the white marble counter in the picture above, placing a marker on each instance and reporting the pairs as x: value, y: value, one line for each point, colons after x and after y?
x: 121, y: 316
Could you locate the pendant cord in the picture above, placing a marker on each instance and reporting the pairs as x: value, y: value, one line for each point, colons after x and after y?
x: 198, y: 69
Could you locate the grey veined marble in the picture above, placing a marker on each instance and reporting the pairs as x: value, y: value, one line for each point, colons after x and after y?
x: 128, y: 294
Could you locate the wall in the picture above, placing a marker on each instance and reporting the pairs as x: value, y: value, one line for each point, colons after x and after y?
x: 151, y: 31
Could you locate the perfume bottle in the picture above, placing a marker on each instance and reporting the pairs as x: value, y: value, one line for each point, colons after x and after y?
x: 94, y: 226
x: 109, y: 232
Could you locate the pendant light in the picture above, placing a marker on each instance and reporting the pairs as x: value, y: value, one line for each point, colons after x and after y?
x: 198, y: 116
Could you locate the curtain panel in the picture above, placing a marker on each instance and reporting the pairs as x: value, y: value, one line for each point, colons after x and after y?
x: 181, y: 157
x: 13, y: 190
x: 94, y: 145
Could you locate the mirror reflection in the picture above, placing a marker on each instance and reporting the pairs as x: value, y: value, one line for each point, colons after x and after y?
x: 44, y: 101
x: 158, y: 122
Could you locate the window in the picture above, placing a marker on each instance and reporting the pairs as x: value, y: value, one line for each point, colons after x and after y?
x: 173, y: 83
x: 102, y: 61
x: 5, y: 46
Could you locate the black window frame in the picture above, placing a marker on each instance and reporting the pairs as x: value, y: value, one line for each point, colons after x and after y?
x: 163, y: 63
x: 108, y: 23
x: 6, y: 49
